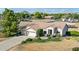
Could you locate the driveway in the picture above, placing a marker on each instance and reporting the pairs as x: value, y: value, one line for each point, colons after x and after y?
x: 11, y: 42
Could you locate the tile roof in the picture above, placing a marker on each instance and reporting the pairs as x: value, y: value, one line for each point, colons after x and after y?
x: 42, y: 25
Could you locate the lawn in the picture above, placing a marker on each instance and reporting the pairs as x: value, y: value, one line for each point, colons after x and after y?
x: 64, y: 45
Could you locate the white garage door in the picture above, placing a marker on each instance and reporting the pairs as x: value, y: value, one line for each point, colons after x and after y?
x: 33, y: 34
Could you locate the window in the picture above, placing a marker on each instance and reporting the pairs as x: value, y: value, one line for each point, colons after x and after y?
x: 49, y: 32
x: 44, y: 32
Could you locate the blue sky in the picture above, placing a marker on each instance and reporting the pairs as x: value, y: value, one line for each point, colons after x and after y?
x: 46, y: 10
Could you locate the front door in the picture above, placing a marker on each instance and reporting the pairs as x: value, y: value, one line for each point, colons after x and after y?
x: 49, y: 32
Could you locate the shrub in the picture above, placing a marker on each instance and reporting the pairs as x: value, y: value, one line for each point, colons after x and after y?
x: 75, y: 49
x: 29, y: 39
x: 39, y: 32
x: 49, y: 37
x: 72, y: 33
x: 23, y: 42
x: 39, y: 40
x: 68, y: 33
x: 53, y: 38
x: 42, y: 41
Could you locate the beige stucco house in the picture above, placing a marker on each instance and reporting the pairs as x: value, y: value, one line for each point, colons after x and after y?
x: 30, y: 28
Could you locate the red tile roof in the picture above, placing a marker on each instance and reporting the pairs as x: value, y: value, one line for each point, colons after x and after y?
x: 42, y: 25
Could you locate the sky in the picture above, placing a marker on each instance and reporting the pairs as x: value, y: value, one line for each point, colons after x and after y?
x: 45, y: 10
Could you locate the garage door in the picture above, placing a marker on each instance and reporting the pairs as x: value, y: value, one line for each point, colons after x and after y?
x: 32, y: 34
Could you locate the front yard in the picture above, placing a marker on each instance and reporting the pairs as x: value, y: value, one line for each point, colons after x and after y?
x: 65, y: 45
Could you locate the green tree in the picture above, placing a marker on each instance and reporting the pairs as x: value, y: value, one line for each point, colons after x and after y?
x: 38, y: 15
x: 76, y: 16
x: 57, y: 16
x: 39, y: 32
x: 23, y: 16
x: 45, y: 14
x: 9, y: 23
x: 71, y: 15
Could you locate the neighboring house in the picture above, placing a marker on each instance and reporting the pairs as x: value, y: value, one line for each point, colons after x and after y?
x: 70, y: 20
x: 30, y: 28
x: 48, y: 17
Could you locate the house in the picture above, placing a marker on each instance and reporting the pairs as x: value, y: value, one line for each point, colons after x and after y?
x: 48, y: 17
x: 70, y: 20
x: 30, y: 28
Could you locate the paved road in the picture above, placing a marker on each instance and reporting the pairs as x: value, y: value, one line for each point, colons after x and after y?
x: 11, y: 42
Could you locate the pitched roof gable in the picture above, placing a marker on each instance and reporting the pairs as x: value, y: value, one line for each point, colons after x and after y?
x: 42, y: 25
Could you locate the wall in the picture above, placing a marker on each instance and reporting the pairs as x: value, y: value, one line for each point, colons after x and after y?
x: 31, y: 32
x: 65, y: 30
x: 60, y: 31
x: 47, y: 30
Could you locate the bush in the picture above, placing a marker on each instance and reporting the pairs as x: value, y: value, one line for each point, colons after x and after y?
x: 68, y: 33
x: 39, y: 32
x: 72, y: 33
x: 39, y: 40
x: 53, y: 38
x: 29, y: 39
x: 23, y: 42
x: 75, y: 49
x: 49, y: 37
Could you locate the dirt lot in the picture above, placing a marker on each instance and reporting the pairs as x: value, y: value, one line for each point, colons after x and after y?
x: 2, y: 39
x: 65, y: 45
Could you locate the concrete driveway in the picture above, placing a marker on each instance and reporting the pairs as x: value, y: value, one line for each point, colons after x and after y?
x: 11, y: 42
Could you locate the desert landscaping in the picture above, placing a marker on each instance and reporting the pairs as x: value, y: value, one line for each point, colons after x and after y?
x: 64, y: 45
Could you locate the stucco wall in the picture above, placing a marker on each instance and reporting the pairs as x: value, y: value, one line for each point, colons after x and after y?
x: 60, y: 31
x: 23, y: 31
x: 65, y: 30
x: 31, y: 32
x: 50, y: 29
